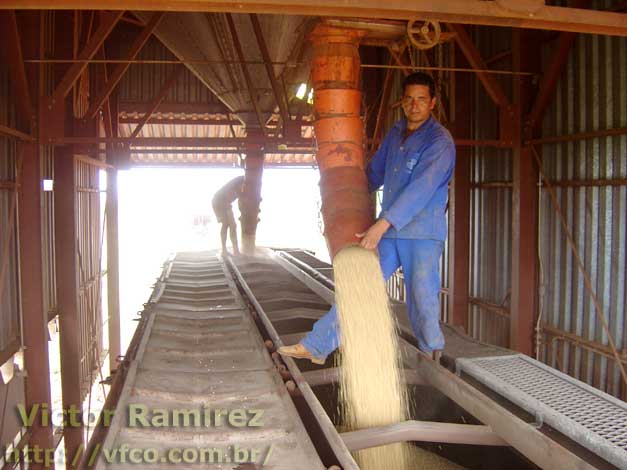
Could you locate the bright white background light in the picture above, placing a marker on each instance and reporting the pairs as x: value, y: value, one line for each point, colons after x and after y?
x: 302, y: 89
x: 159, y: 211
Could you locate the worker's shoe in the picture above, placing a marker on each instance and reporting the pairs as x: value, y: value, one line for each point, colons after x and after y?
x: 298, y: 351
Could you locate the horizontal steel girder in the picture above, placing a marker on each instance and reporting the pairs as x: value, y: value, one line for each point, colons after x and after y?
x: 509, y: 13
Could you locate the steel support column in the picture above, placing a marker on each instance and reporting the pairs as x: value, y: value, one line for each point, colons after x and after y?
x: 113, y: 268
x: 37, y: 385
x: 524, y: 207
x: 67, y: 292
x: 251, y: 197
x: 114, y: 158
x: 459, y: 204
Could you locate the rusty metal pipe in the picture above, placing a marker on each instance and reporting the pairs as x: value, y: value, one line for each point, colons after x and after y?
x: 473, y: 434
x: 340, y: 135
x: 332, y: 375
x: 251, y: 197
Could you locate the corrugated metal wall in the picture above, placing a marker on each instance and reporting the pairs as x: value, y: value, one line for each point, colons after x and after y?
x: 490, y: 245
x: 591, y: 96
x: 490, y: 205
x: 9, y: 291
x: 49, y: 262
x: 90, y: 240
x: 47, y: 172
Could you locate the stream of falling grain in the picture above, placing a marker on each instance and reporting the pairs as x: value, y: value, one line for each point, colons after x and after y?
x: 372, y: 392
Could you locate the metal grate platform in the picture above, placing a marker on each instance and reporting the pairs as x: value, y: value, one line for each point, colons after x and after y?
x: 592, y: 418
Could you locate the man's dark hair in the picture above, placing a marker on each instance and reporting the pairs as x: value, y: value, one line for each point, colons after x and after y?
x: 420, y: 78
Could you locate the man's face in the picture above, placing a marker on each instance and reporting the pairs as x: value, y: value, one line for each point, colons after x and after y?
x: 417, y: 105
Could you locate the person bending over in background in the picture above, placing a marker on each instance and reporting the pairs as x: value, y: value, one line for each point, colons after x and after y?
x: 221, y: 203
x: 414, y: 164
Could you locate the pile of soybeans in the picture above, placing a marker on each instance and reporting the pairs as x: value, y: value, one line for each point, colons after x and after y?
x: 372, y: 391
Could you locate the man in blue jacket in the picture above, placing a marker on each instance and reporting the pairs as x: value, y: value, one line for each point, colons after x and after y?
x: 414, y: 164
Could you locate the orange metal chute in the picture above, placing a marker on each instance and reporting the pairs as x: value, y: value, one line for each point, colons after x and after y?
x: 339, y: 132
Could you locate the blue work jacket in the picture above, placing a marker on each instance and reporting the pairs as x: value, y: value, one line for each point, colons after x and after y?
x: 415, y: 174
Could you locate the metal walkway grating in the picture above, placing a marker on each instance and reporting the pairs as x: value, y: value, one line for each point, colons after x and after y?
x: 592, y: 418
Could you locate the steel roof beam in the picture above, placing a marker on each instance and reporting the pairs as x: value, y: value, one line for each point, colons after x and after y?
x: 247, y: 77
x: 463, y: 40
x: 533, y: 15
x: 15, y: 58
x: 130, y: 107
x: 158, y: 99
x: 267, y: 62
x: 552, y: 75
x: 180, y: 141
x: 121, y: 69
x: 107, y: 23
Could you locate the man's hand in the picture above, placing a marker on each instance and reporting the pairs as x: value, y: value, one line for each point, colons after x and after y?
x: 371, y: 237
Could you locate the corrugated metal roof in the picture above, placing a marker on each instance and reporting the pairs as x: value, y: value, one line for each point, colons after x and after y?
x: 142, y: 82
x: 193, y: 90
x: 229, y: 158
x: 207, y: 37
x: 220, y: 160
x: 182, y: 130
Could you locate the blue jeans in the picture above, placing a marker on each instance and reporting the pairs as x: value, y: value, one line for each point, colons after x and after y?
x: 420, y: 261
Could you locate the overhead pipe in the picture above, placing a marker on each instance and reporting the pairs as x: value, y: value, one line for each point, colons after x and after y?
x: 340, y: 135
